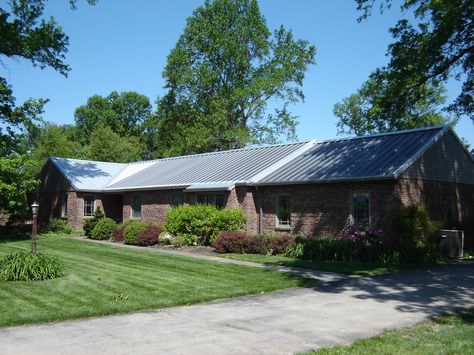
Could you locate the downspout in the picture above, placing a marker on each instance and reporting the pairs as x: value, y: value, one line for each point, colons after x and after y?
x: 260, y: 210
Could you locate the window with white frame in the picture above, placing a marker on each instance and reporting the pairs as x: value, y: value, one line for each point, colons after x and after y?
x: 360, y: 208
x: 216, y: 199
x: 64, y: 206
x: 89, y: 205
x: 283, y: 210
x: 136, y: 206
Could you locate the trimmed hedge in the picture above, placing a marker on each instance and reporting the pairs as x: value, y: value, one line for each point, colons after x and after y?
x: 132, y: 230
x: 240, y: 242
x: 104, y: 229
x: 201, y: 224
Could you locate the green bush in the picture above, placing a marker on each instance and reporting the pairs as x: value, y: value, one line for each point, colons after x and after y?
x: 58, y: 225
x: 414, y: 228
x: 132, y: 230
x: 25, y: 266
x: 89, y: 224
x: 104, y: 229
x: 201, y: 224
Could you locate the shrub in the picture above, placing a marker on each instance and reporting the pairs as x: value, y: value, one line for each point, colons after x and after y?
x: 414, y: 227
x: 149, y: 236
x: 178, y: 241
x: 132, y: 230
x: 25, y: 266
x: 104, y: 229
x: 89, y: 224
x: 58, y: 225
x: 201, y: 224
x: 240, y: 242
x: 278, y: 244
x: 117, y: 235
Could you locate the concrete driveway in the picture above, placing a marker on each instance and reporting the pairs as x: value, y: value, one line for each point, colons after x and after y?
x: 282, y: 322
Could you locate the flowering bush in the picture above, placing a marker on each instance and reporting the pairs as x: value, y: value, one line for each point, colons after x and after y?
x: 368, y: 236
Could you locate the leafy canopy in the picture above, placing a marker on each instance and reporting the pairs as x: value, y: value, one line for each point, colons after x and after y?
x: 436, y: 45
x: 221, y: 74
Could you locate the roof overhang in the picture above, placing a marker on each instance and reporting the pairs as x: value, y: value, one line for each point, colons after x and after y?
x: 212, y: 186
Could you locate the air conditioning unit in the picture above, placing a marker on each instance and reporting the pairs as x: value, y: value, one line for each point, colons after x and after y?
x: 452, y: 243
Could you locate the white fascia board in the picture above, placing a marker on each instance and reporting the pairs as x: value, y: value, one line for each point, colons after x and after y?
x: 420, y: 152
x: 256, y: 178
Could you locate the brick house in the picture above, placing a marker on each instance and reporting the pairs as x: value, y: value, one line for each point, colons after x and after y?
x: 317, y: 188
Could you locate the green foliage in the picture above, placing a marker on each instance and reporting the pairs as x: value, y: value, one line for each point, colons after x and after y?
x: 132, y: 231
x: 371, y: 110
x: 432, y: 43
x: 104, y: 229
x: 89, y: 224
x: 413, y: 226
x: 201, y: 224
x: 26, y: 266
x: 16, y: 182
x: 58, y: 225
x: 124, y: 114
x: 223, y: 70
x: 106, y: 145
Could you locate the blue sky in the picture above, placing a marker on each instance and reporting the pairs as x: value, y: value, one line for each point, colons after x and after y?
x: 122, y: 45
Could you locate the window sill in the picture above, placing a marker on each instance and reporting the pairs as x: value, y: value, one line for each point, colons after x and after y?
x: 282, y: 228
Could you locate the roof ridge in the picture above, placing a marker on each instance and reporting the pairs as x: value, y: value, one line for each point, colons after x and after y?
x: 219, y: 152
x: 390, y: 133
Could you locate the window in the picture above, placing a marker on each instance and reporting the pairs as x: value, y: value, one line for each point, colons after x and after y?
x: 211, y: 199
x: 177, y: 199
x: 283, y: 211
x: 360, y: 208
x: 89, y: 206
x: 136, y: 206
x: 64, y: 206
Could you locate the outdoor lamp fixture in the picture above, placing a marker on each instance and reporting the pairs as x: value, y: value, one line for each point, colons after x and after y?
x: 34, y: 229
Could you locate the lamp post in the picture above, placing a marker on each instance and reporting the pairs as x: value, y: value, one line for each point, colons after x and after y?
x: 34, y: 229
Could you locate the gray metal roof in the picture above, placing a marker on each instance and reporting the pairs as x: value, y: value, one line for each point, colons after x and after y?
x: 86, y: 175
x: 360, y: 158
x: 232, y: 166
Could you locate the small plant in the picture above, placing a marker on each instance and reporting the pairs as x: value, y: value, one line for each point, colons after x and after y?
x: 117, y: 235
x: 58, y: 225
x: 89, y: 224
x: 104, y: 229
x: 149, y: 236
x: 132, y: 230
x: 25, y: 266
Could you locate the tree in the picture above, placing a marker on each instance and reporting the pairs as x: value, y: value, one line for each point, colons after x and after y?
x: 220, y: 75
x: 125, y: 113
x: 106, y: 145
x: 24, y: 34
x: 437, y: 46
x: 372, y: 110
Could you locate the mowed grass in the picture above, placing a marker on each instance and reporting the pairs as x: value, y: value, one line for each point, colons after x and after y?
x: 102, y: 279
x: 452, y: 334
x: 363, y: 269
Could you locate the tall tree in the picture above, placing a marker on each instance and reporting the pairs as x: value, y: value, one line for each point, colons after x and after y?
x: 125, y: 113
x: 371, y: 109
x: 436, y: 44
x: 221, y: 74
x: 26, y: 35
x: 106, y: 145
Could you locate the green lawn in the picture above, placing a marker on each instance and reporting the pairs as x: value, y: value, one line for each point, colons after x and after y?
x: 443, y: 335
x: 103, y: 279
x: 365, y: 269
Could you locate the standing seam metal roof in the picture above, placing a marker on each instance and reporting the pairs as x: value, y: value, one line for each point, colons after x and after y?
x: 371, y: 157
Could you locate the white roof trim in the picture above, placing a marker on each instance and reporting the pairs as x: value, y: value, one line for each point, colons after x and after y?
x: 256, y: 178
x: 212, y: 186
